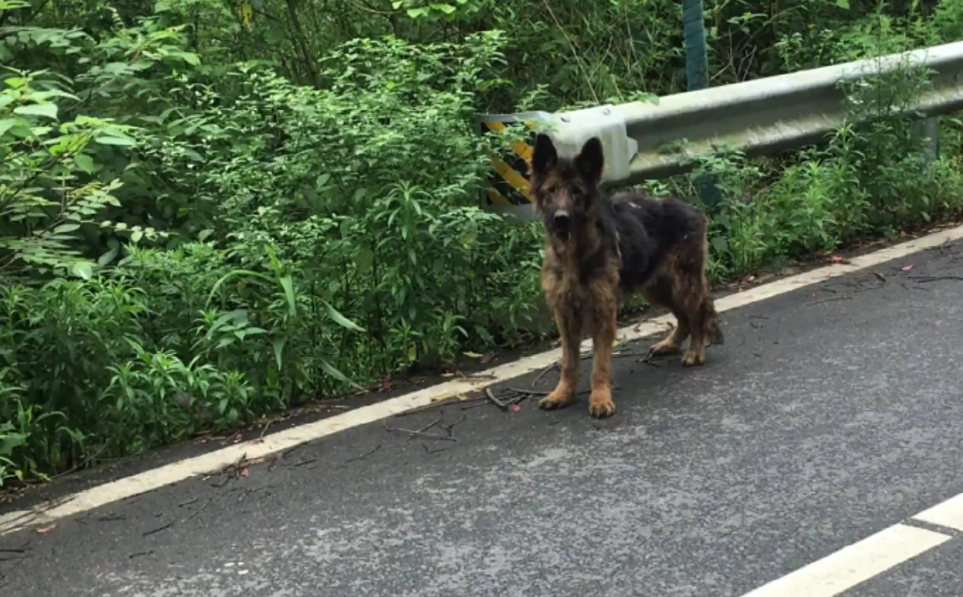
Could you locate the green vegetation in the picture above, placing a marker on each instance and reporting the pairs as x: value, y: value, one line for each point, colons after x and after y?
x: 212, y: 210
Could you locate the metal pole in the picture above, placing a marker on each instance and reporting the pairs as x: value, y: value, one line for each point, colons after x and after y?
x: 697, y: 77
x: 696, y: 54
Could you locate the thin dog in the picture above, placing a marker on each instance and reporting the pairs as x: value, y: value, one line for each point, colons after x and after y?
x: 598, y: 249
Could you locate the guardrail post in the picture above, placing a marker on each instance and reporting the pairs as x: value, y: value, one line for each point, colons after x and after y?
x: 928, y: 129
x: 697, y: 77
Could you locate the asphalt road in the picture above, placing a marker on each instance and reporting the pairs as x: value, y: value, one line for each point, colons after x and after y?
x: 831, y: 412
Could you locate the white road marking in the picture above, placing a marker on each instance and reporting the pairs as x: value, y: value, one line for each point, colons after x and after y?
x: 853, y: 564
x: 289, y: 438
x: 948, y: 514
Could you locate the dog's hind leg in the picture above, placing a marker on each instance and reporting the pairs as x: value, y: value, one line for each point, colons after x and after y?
x: 694, y: 295
x: 569, y: 323
x: 661, y: 294
x: 692, y: 292
x: 696, y: 355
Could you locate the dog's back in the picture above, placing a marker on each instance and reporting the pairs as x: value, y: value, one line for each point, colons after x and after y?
x: 652, y: 230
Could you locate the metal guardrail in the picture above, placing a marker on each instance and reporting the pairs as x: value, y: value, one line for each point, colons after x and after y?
x: 645, y: 141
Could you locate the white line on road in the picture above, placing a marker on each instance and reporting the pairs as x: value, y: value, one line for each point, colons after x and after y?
x: 853, y: 564
x: 289, y: 438
x: 948, y: 514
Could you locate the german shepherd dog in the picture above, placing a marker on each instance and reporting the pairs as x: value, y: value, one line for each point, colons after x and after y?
x: 597, y: 249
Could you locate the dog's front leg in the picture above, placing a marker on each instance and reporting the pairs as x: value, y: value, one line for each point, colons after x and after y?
x: 569, y: 323
x: 605, y: 324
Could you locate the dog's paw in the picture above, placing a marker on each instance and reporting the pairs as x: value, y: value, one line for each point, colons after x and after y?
x: 663, y: 348
x: 692, y: 358
x: 560, y: 398
x: 601, y: 404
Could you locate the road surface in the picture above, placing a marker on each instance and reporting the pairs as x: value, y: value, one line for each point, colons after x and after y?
x: 831, y: 413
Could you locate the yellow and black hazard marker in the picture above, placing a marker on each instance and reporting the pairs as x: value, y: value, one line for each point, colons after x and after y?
x: 509, y: 185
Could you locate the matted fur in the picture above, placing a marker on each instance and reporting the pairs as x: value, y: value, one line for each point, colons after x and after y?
x: 598, y: 249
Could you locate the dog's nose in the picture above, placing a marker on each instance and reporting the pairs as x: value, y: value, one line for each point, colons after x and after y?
x: 561, y: 220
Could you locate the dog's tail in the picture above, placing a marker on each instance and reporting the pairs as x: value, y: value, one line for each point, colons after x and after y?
x: 710, y: 316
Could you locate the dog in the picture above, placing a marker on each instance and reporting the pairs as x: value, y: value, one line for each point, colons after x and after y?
x: 599, y: 249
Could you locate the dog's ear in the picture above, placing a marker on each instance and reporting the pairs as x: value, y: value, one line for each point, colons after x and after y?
x: 545, y: 157
x: 590, y: 160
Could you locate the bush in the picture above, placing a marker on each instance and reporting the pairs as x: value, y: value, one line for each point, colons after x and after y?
x: 193, y: 236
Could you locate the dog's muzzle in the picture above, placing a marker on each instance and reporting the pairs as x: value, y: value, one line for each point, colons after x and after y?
x: 562, y: 221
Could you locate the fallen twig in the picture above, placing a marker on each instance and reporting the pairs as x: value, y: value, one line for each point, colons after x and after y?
x: 13, y: 521
x: 495, y: 401
x: 140, y: 554
x: 928, y: 279
x: 111, y: 518
x: 84, y: 463
x: 437, y: 404
x: 428, y: 426
x: 475, y: 405
x: 199, y: 510
x: 448, y: 428
x: 435, y: 451
x: 417, y: 433
x: 544, y: 372
x: 365, y: 455
x: 22, y: 549
x: 830, y: 299
x: 158, y: 529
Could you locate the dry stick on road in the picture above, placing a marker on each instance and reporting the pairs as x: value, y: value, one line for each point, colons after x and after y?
x: 448, y: 428
x: 647, y: 357
x: 412, y: 432
x: 363, y: 456
x: 158, y: 529
x: 544, y: 372
x: 496, y: 401
x: 199, y: 510
x: 928, y: 279
x: 830, y: 299
x: 427, y: 427
x: 528, y: 393
x: 438, y: 404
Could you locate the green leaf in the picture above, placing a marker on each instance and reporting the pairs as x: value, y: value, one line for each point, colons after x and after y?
x: 6, y: 124
x: 48, y: 110
x: 844, y: 4
x: 288, y: 285
x: 229, y: 275
x: 115, y: 140
x: 85, y: 163
x: 278, y: 345
x: 66, y: 228
x: 330, y: 370
x: 136, y: 235
x: 108, y: 256
x: 720, y: 244
x: 188, y: 57
x: 82, y: 269
x: 341, y: 319
x: 445, y: 8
